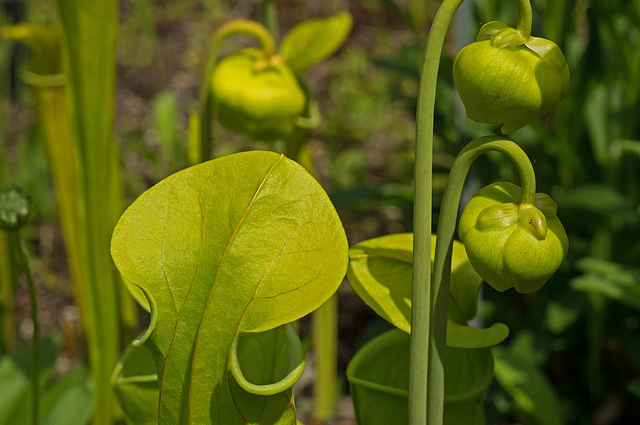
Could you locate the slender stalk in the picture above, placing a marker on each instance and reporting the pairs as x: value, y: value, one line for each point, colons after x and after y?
x: 325, y: 338
x: 426, y: 370
x: 449, y: 213
x: 7, y: 307
x: 21, y: 251
x: 205, y: 100
x: 270, y: 12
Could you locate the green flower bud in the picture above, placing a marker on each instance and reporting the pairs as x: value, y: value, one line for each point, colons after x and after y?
x: 257, y: 96
x: 511, y: 244
x: 505, y: 78
x: 14, y: 208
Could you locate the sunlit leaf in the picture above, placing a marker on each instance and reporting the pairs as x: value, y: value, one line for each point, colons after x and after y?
x: 381, y: 271
x: 238, y: 245
x: 314, y: 40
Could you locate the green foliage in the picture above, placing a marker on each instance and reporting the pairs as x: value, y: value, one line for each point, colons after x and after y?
x: 242, y: 244
x: 379, y: 375
x: 612, y: 280
x: 314, y: 40
x: 526, y: 383
x: 67, y: 401
x: 380, y: 271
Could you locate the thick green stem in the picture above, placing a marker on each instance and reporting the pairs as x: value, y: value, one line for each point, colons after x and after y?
x: 21, y: 251
x: 205, y: 102
x: 426, y: 374
x: 447, y: 223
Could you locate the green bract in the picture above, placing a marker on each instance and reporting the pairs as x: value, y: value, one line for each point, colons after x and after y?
x: 257, y: 96
x: 505, y: 78
x: 511, y: 244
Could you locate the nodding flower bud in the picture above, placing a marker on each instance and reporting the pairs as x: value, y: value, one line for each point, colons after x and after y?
x: 14, y: 208
x: 506, y: 78
x: 513, y: 244
x: 257, y: 96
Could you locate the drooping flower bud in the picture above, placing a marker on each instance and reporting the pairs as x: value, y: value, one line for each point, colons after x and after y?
x: 511, y: 244
x: 257, y: 96
x: 507, y: 78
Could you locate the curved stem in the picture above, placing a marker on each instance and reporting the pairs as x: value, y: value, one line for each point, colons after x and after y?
x: 205, y: 105
x: 426, y: 373
x: 449, y: 214
x: 18, y: 243
x: 524, y: 18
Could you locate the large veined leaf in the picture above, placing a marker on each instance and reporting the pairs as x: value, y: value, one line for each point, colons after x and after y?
x: 381, y: 272
x: 224, y: 250
x: 379, y: 377
x: 314, y: 40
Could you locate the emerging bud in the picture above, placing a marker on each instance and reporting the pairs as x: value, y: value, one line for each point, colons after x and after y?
x: 14, y: 208
x: 511, y: 244
x: 257, y: 96
x: 505, y: 78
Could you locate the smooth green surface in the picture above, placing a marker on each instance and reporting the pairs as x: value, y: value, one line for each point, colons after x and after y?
x: 380, y: 271
x: 314, y: 40
x: 379, y: 377
x: 512, y: 243
x: 244, y: 243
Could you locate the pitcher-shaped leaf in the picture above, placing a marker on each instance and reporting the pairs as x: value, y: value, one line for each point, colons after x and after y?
x: 233, y: 247
x: 381, y: 272
x: 379, y: 379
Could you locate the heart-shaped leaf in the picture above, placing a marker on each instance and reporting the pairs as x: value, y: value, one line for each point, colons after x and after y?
x: 314, y: 40
x: 243, y: 243
x: 379, y: 375
x: 381, y: 272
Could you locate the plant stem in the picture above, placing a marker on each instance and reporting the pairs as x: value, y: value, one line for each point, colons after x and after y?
x: 325, y: 338
x: 449, y: 214
x: 426, y: 370
x: 270, y: 12
x: 49, y: 95
x: 6, y: 296
x: 18, y: 243
x: 205, y: 99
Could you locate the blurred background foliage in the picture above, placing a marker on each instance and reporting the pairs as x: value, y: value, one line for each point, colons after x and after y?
x: 574, y: 352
